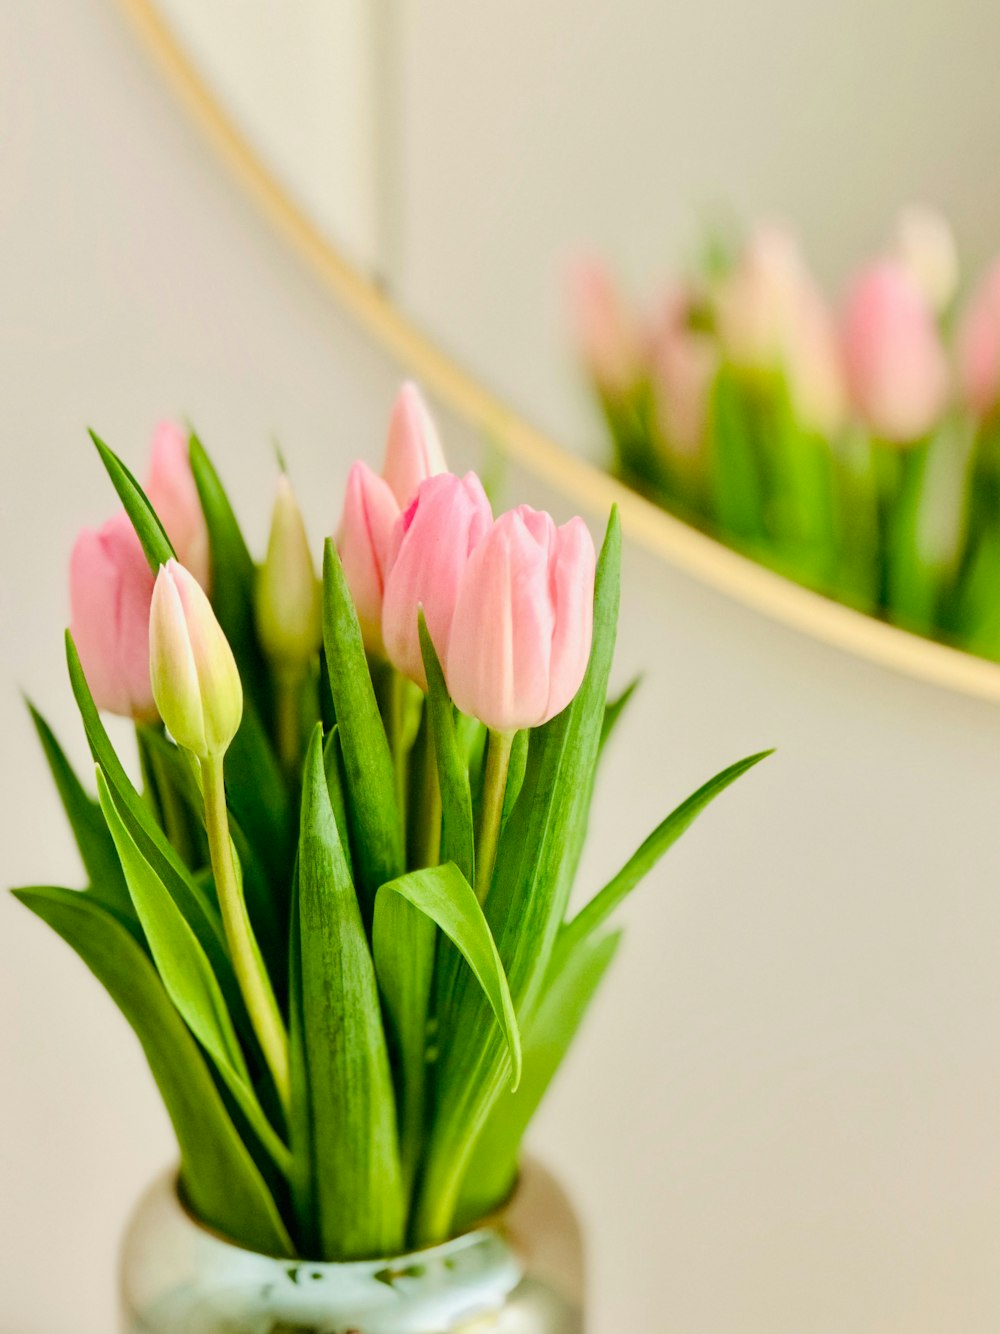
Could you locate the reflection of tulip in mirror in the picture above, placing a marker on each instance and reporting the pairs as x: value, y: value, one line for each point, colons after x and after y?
x: 837, y: 450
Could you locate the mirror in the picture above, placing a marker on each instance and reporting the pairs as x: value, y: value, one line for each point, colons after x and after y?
x: 461, y: 155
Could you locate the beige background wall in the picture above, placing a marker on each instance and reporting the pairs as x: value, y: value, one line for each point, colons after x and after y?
x: 783, y: 1119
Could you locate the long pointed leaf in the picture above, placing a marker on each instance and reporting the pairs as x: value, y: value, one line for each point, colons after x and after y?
x: 220, y: 1180
x: 359, y: 1198
x: 93, y: 838
x: 149, y: 529
x: 376, y: 827
x: 492, y: 1170
x: 187, y: 975
x: 593, y: 916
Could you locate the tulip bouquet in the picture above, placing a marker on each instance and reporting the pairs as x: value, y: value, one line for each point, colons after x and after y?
x: 857, y: 452
x: 334, y: 905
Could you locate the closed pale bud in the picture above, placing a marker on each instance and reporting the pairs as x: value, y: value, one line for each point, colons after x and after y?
x: 196, y: 683
x: 758, y: 303
x: 370, y: 511
x: 897, y: 373
x: 608, y: 340
x: 288, y: 604
x: 428, y: 552
x: 925, y: 245
x: 413, y: 448
x: 979, y: 347
x: 814, y: 368
x: 521, y: 633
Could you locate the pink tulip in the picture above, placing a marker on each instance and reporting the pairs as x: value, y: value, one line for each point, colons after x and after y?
x: 370, y: 511
x: 925, y: 244
x: 172, y: 493
x: 413, y: 449
x: 523, y: 622
x: 110, y: 585
x: 683, y: 364
x: 607, y: 337
x: 897, y: 374
x: 979, y: 347
x: 428, y: 552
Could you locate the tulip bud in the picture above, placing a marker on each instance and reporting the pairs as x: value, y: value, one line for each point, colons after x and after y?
x: 684, y: 361
x: 196, y: 683
x: 523, y: 622
x: 370, y: 511
x: 110, y: 586
x: 608, y: 341
x: 925, y: 245
x: 428, y: 551
x: 979, y: 347
x: 758, y: 302
x: 413, y: 449
x: 896, y: 370
x: 814, y: 367
x: 287, y: 603
x: 172, y: 492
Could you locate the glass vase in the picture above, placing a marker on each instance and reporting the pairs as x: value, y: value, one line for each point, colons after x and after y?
x: 520, y: 1272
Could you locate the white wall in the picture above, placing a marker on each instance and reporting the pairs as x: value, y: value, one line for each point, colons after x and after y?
x: 783, y: 1119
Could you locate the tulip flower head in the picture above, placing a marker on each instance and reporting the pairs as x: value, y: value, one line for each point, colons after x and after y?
x: 366, y: 525
x: 288, y: 605
x: 925, y: 245
x: 979, y: 347
x: 897, y: 374
x: 758, y: 304
x: 523, y: 622
x: 413, y: 448
x: 195, y: 680
x: 428, y: 552
x: 608, y: 340
x: 684, y: 361
x: 110, y: 587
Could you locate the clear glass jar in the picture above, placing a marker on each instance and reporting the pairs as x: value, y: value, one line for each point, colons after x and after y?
x: 519, y: 1273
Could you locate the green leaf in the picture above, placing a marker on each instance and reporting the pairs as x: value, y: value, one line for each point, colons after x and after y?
x: 537, y: 859
x: 664, y: 836
x: 443, y: 894
x: 516, y: 769
x: 149, y: 529
x: 614, y: 709
x: 492, y: 1170
x: 188, y: 977
x: 333, y: 764
x: 300, y: 1132
x: 376, y: 827
x: 97, y: 847
x: 220, y: 1180
x: 233, y: 576
x: 256, y: 792
x: 189, y: 896
x: 359, y: 1197
x: 457, y: 834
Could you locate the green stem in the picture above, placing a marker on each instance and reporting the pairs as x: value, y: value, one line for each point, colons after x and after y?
x: 251, y: 975
x: 491, y: 814
x: 288, y: 720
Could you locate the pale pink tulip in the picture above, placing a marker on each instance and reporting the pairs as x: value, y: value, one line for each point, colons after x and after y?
x: 814, y: 367
x: 979, y: 347
x: 428, y: 552
x: 608, y: 340
x: 172, y: 493
x: 897, y: 374
x: 413, y: 449
x: 110, y: 586
x: 759, y: 301
x: 370, y: 511
x: 683, y: 364
x: 523, y: 622
x: 925, y: 244
x: 195, y: 680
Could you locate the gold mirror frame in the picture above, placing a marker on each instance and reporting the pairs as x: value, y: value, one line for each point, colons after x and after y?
x: 695, y: 554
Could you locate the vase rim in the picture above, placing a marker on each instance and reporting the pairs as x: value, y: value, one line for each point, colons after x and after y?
x: 489, y: 1225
